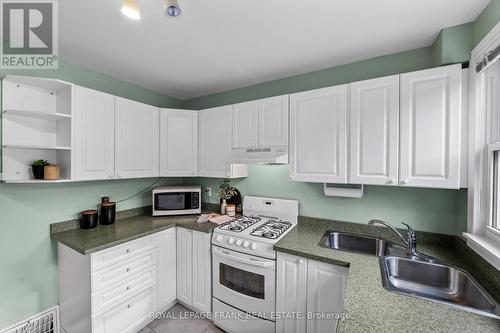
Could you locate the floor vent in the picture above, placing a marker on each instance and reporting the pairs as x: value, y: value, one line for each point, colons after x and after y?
x: 44, y: 322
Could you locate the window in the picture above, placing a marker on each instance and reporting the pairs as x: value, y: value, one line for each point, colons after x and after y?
x: 483, y: 210
x: 493, y: 225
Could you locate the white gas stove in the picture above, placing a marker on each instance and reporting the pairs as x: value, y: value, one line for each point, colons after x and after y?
x: 244, y: 264
x: 266, y: 220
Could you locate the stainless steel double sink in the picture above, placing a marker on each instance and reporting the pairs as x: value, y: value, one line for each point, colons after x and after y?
x: 435, y: 281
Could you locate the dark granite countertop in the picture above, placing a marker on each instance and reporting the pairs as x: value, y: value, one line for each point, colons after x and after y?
x: 87, y: 241
x: 371, y: 308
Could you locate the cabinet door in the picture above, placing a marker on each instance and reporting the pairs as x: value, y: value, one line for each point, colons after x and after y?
x: 214, y: 141
x: 167, y: 274
x: 318, y: 135
x: 178, y: 143
x: 94, y: 135
x: 184, y: 266
x: 374, y: 131
x: 137, y: 139
x: 430, y: 128
x: 326, y: 286
x: 245, y: 125
x: 291, y: 293
x: 273, y: 121
x: 202, y: 282
x: 129, y: 316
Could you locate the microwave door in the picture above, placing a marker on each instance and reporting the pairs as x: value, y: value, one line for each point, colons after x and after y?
x: 170, y: 201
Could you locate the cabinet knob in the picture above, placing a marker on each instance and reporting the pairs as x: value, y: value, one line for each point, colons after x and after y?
x: 128, y: 250
x: 292, y: 177
x: 391, y: 181
x: 110, y: 176
x: 119, y: 176
x: 128, y: 287
x: 301, y: 261
x: 404, y: 181
x: 128, y: 306
x: 128, y: 269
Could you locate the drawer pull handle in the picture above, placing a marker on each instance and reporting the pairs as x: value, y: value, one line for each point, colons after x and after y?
x: 128, y: 306
x: 128, y: 250
x: 128, y: 269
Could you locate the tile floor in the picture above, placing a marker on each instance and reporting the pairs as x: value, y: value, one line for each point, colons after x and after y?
x: 180, y: 320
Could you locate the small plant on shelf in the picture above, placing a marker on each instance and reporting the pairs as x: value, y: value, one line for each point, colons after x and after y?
x: 226, y: 191
x: 38, y: 168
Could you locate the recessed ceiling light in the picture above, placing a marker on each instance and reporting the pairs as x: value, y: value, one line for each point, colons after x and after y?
x: 171, y: 8
x: 131, y: 9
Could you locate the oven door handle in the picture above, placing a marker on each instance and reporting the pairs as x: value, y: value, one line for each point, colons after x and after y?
x: 253, y: 262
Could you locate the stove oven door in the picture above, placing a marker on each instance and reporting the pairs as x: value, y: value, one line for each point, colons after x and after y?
x: 245, y: 282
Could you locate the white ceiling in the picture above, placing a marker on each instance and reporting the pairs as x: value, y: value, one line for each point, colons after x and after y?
x: 218, y: 45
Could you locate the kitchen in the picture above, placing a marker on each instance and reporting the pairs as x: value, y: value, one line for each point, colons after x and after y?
x: 173, y: 113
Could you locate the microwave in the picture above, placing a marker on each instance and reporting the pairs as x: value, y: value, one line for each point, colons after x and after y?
x: 176, y: 200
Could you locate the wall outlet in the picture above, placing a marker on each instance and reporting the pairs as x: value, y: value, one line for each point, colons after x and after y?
x: 208, y: 190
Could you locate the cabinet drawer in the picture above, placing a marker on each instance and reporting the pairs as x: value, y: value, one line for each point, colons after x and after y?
x: 120, y: 252
x: 120, y: 291
x: 129, y: 316
x: 123, y: 270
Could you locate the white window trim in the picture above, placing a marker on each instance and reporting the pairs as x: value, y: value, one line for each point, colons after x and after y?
x: 480, y: 237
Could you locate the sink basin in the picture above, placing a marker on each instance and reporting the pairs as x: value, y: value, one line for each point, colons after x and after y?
x: 436, y: 282
x: 354, y: 243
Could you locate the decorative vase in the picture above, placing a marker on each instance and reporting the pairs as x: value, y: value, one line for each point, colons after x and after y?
x: 223, y: 207
x: 51, y: 172
x: 38, y: 171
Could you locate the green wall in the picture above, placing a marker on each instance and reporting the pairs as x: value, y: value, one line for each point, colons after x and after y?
x: 28, y: 258
x: 425, y: 209
x: 485, y: 21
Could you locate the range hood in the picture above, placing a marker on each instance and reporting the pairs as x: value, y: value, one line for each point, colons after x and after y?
x: 266, y: 155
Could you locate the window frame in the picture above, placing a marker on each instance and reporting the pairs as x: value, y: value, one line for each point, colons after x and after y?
x: 480, y: 236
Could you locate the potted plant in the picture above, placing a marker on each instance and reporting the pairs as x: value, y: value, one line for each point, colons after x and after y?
x: 226, y: 191
x: 38, y: 167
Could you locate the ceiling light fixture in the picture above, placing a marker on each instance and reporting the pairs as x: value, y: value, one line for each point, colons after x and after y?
x: 131, y: 9
x: 171, y: 8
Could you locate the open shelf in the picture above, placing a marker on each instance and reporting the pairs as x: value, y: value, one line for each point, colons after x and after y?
x: 36, y: 124
x: 35, y: 181
x: 37, y: 114
x: 36, y: 147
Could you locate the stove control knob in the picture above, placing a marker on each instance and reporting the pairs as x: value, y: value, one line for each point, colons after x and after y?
x: 238, y: 242
x: 246, y: 244
x: 231, y: 241
x: 218, y: 239
x: 254, y: 246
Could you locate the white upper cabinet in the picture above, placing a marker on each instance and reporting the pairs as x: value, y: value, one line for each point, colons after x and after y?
x: 178, y: 143
x: 94, y: 135
x: 245, y: 125
x: 374, y: 131
x: 262, y: 123
x: 137, y: 139
x: 318, y: 139
x: 273, y: 121
x: 430, y: 128
x: 214, y: 144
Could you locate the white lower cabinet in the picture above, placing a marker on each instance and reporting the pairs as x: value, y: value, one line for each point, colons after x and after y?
x: 308, y: 289
x: 117, y: 289
x: 167, y: 268
x: 194, y: 283
x: 129, y: 316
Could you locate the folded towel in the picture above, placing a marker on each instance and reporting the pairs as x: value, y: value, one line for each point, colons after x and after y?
x: 214, y: 218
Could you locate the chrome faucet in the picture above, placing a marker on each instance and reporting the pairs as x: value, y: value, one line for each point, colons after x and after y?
x: 410, y: 240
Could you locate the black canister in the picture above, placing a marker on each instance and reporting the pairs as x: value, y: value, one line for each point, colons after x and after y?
x: 88, y: 219
x: 108, y: 213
